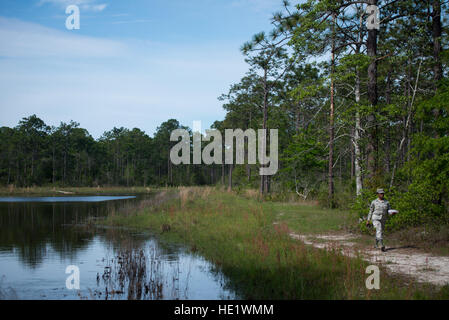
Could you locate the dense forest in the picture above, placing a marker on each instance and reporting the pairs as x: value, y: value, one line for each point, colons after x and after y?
x: 356, y: 107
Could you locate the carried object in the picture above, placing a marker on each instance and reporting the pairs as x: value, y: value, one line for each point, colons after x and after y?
x: 393, y: 212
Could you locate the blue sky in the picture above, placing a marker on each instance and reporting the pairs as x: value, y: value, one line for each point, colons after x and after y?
x: 133, y: 63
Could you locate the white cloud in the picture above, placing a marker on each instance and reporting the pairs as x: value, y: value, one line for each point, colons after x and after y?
x: 24, y: 39
x: 99, y: 7
x: 88, y: 5
x: 132, y: 21
x: 103, y: 83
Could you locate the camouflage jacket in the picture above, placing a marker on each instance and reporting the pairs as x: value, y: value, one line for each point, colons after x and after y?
x: 378, y: 210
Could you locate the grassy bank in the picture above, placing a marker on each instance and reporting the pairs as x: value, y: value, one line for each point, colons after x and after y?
x: 58, y: 191
x: 237, y: 234
x: 309, y: 218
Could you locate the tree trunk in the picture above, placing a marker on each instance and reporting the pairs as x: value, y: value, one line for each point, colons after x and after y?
x: 372, y: 147
x: 331, y: 121
x: 357, y: 153
x: 248, y: 166
x: 230, y: 177
x: 263, y: 183
x: 409, y: 108
x: 387, y: 134
x: 358, y: 128
x: 222, y: 173
x: 436, y: 34
x: 351, y: 145
x: 169, y: 170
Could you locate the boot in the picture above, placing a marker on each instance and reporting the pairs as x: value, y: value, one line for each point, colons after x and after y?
x: 376, y: 246
x: 382, y: 246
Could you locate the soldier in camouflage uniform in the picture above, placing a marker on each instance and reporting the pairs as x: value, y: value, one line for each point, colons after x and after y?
x: 378, y: 214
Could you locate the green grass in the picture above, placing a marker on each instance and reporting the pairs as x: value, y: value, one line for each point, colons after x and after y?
x: 311, y: 219
x: 260, y: 259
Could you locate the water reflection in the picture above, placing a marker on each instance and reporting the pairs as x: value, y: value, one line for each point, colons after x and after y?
x: 38, y: 240
x: 65, y: 199
x: 32, y: 228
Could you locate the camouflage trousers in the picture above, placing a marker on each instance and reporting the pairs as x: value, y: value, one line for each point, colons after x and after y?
x: 379, y: 226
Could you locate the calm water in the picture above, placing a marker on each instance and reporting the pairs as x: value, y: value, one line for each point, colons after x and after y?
x: 65, y: 199
x: 40, y: 237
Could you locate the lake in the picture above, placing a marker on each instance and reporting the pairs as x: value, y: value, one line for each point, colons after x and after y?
x: 41, y: 236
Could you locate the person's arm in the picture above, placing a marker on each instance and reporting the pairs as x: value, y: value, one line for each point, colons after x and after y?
x: 388, y: 209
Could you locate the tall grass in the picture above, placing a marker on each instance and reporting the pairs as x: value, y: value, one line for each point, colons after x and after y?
x: 259, y: 257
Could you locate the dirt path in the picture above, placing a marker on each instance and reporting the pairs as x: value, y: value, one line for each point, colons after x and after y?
x: 405, y: 260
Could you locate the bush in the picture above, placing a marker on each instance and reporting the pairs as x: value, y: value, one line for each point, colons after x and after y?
x: 417, y: 206
x: 343, y: 196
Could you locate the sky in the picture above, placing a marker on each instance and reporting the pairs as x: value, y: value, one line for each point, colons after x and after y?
x: 132, y: 63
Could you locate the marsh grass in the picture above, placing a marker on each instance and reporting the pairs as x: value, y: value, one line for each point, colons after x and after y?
x: 132, y: 273
x: 258, y: 257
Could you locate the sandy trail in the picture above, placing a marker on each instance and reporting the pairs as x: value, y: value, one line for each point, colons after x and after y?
x: 421, y: 266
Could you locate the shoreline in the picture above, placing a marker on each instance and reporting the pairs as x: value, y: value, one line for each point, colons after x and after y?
x: 261, y: 260
x: 60, y: 191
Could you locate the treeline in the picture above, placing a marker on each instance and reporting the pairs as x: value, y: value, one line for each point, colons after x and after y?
x: 356, y: 107
x: 360, y: 101
x: 33, y: 153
